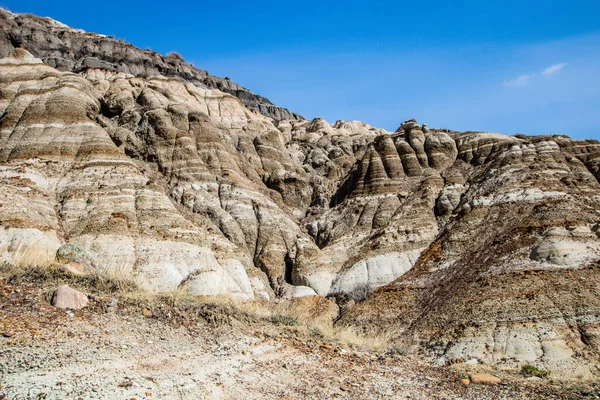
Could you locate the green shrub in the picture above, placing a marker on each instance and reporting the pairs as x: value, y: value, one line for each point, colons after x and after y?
x: 530, y: 370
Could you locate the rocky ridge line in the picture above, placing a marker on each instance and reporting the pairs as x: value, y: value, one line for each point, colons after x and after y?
x: 68, y: 49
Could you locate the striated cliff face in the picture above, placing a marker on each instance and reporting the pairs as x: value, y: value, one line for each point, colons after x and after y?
x: 476, y: 245
x: 68, y: 49
x: 511, y: 276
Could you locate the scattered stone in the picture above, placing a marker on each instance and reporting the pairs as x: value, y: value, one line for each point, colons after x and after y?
x: 67, y: 298
x: 7, y: 334
x: 485, y: 379
x: 465, y: 381
x: 112, y: 302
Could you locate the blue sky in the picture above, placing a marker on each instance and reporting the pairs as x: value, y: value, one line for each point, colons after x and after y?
x: 508, y: 66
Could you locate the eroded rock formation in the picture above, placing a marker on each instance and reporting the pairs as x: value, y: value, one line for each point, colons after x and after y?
x: 476, y: 245
x: 512, y: 276
x: 75, y: 50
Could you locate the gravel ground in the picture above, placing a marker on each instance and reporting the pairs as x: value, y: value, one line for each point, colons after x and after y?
x: 132, y: 353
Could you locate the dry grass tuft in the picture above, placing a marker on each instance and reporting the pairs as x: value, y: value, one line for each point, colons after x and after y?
x: 314, y: 321
x: 99, y: 283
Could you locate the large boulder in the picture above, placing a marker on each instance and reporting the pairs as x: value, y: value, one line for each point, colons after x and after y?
x: 75, y: 259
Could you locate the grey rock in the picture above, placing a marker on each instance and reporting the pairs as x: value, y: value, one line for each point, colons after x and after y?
x: 70, y: 253
x: 112, y: 302
x: 408, y: 125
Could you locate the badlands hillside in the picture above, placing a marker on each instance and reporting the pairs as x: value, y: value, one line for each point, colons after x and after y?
x: 470, y: 248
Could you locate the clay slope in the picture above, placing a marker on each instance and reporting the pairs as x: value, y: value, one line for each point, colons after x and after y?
x: 512, y: 277
x: 483, y: 246
x: 176, y: 185
x: 68, y: 49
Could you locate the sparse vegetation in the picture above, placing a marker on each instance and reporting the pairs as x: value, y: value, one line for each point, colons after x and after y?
x: 98, y: 283
x: 178, y: 306
x: 174, y: 55
x: 396, y: 349
x: 360, y: 292
x: 282, y: 319
x: 530, y: 370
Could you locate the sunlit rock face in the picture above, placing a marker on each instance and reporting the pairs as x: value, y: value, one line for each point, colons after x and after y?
x: 75, y: 50
x: 476, y: 245
x: 65, y: 180
x: 183, y: 186
x: 511, y: 278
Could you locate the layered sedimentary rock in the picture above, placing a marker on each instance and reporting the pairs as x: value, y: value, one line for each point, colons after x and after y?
x: 383, y: 213
x: 512, y: 276
x: 68, y: 49
x: 476, y: 245
x: 65, y: 180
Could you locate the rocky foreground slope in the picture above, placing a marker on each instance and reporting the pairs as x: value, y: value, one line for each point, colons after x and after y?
x: 481, y: 246
x: 205, y: 352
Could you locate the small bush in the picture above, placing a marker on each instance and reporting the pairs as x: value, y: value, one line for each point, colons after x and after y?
x: 530, y: 370
x: 174, y: 55
x: 396, y: 350
x: 282, y: 320
x: 315, y: 333
x: 360, y: 292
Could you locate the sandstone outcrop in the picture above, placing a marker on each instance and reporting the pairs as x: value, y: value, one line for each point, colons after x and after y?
x: 475, y: 245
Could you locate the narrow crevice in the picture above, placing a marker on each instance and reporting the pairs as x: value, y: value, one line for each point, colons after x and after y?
x: 585, y: 338
x: 289, y: 267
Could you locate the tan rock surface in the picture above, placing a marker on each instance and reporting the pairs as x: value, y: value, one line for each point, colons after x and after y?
x: 67, y: 298
x: 485, y: 379
x: 482, y: 246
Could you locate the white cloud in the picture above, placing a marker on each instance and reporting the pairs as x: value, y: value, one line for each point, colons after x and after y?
x: 519, y: 81
x: 523, y: 80
x: 551, y: 70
